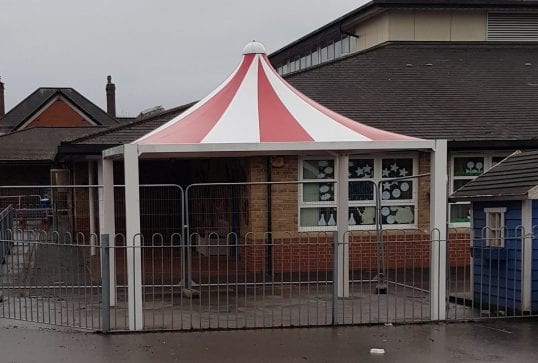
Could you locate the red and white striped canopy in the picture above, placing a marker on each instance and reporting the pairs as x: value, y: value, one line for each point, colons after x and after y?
x: 255, y: 105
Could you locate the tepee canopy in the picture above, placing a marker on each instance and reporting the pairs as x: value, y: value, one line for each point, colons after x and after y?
x: 255, y: 105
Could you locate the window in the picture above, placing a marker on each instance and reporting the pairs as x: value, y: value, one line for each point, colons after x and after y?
x: 324, y: 54
x: 308, y: 60
x: 495, y: 227
x: 353, y: 44
x: 315, y: 58
x: 465, y: 168
x: 317, y: 204
x: 330, y: 51
x: 338, y: 49
x: 291, y: 66
x: 303, y: 62
x: 345, y: 45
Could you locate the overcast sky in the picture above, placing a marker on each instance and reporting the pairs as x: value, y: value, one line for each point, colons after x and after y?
x: 159, y: 52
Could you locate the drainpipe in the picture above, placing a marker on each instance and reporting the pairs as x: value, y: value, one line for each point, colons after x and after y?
x: 269, y: 170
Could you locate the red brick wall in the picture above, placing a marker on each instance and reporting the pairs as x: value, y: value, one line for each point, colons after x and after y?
x: 59, y: 113
x: 309, y: 254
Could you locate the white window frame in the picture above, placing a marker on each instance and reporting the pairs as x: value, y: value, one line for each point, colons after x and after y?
x: 316, y: 204
x: 378, y: 162
x: 488, y: 163
x: 491, y: 230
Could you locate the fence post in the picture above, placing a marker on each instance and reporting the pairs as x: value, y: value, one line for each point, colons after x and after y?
x: 335, y: 279
x: 105, y: 283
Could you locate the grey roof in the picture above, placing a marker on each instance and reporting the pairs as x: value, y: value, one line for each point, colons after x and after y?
x: 512, y: 178
x: 450, y: 90
x: 129, y: 132
x: 38, y: 143
x: 33, y: 103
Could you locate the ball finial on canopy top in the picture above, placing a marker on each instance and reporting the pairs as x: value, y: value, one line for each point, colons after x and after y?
x: 254, y: 47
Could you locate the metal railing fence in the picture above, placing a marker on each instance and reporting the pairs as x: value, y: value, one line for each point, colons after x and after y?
x: 486, y: 277
x: 54, y: 281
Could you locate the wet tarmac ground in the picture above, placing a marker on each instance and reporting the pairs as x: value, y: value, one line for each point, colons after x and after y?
x: 491, y: 341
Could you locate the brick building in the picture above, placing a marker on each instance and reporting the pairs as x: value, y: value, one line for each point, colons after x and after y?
x: 32, y: 130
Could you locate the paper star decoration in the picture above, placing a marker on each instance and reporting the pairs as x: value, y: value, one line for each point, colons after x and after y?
x: 386, y: 185
x: 394, y: 167
x: 386, y: 172
x: 403, y: 172
x: 359, y: 171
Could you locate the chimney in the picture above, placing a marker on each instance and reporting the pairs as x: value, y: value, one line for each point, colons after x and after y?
x: 110, y: 97
x: 2, y: 104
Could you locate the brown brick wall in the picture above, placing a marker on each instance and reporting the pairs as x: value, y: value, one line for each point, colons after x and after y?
x: 423, y: 197
x: 59, y: 114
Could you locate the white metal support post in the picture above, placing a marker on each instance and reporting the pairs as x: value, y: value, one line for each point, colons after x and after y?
x: 133, y: 237
x: 526, y: 248
x: 438, y: 226
x: 105, y: 178
x: 342, y: 225
x: 91, y: 206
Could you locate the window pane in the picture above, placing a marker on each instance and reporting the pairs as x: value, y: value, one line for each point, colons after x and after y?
x: 361, y: 216
x: 308, y: 60
x: 361, y: 190
x: 398, y: 214
x: 397, y: 190
x: 318, y: 169
x: 458, y: 183
x: 361, y: 168
x: 338, y: 49
x: 284, y: 69
x: 396, y: 168
x: 460, y: 213
x: 324, y: 54
x: 292, y: 66
x: 318, y: 217
x: 345, y: 45
x: 330, y: 51
x: 315, y: 58
x: 352, y: 44
x: 318, y: 192
x: 303, y: 62
x: 468, y: 166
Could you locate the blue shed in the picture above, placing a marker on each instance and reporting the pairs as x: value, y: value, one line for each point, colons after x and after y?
x: 504, y: 244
